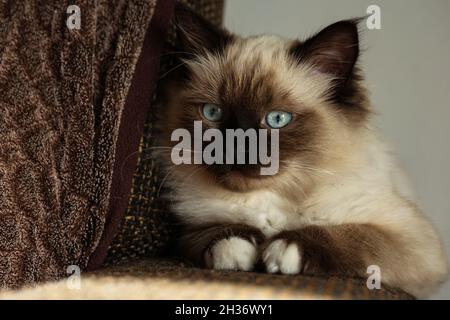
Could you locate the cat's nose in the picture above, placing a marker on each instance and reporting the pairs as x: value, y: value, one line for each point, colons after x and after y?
x: 245, y: 123
x: 240, y: 119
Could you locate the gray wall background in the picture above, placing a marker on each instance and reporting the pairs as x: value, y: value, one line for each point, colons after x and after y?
x: 408, y: 73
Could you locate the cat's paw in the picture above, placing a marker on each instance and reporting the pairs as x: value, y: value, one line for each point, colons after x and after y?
x: 233, y: 253
x: 282, y: 257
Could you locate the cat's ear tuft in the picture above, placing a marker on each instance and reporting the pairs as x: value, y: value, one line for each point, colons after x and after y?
x: 332, y: 51
x: 196, y: 34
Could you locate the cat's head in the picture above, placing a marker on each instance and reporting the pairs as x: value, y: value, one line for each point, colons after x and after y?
x: 310, y: 90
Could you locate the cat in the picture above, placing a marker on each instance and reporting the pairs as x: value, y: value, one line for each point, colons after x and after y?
x: 338, y: 203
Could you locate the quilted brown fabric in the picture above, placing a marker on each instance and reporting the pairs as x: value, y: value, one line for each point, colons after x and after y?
x: 62, y: 94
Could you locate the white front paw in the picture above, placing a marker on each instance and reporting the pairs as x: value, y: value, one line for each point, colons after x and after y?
x: 233, y: 253
x: 282, y: 257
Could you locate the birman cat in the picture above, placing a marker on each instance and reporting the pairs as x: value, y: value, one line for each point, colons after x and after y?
x: 338, y: 203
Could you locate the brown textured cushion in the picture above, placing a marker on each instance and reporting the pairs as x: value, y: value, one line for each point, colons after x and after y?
x: 62, y: 93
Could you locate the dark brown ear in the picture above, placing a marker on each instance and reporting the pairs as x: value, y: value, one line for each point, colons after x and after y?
x: 197, y: 35
x: 333, y: 51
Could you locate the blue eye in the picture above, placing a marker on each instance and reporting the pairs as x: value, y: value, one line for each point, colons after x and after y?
x: 278, y: 119
x: 212, y: 112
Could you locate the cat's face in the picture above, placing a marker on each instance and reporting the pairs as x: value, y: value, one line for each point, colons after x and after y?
x: 308, y: 90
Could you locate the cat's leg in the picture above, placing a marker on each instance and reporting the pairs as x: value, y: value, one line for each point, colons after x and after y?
x: 340, y: 250
x: 222, y: 246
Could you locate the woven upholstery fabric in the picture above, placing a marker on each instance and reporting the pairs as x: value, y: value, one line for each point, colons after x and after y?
x: 177, y: 279
x: 145, y: 230
x: 171, y: 279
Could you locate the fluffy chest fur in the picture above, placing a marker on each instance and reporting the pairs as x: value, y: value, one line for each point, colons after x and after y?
x: 366, y: 193
x: 264, y: 210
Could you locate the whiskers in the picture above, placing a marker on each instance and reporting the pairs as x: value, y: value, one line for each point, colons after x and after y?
x: 309, y: 169
x: 175, y: 53
x: 169, y: 172
x: 184, y: 180
x: 172, y: 69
